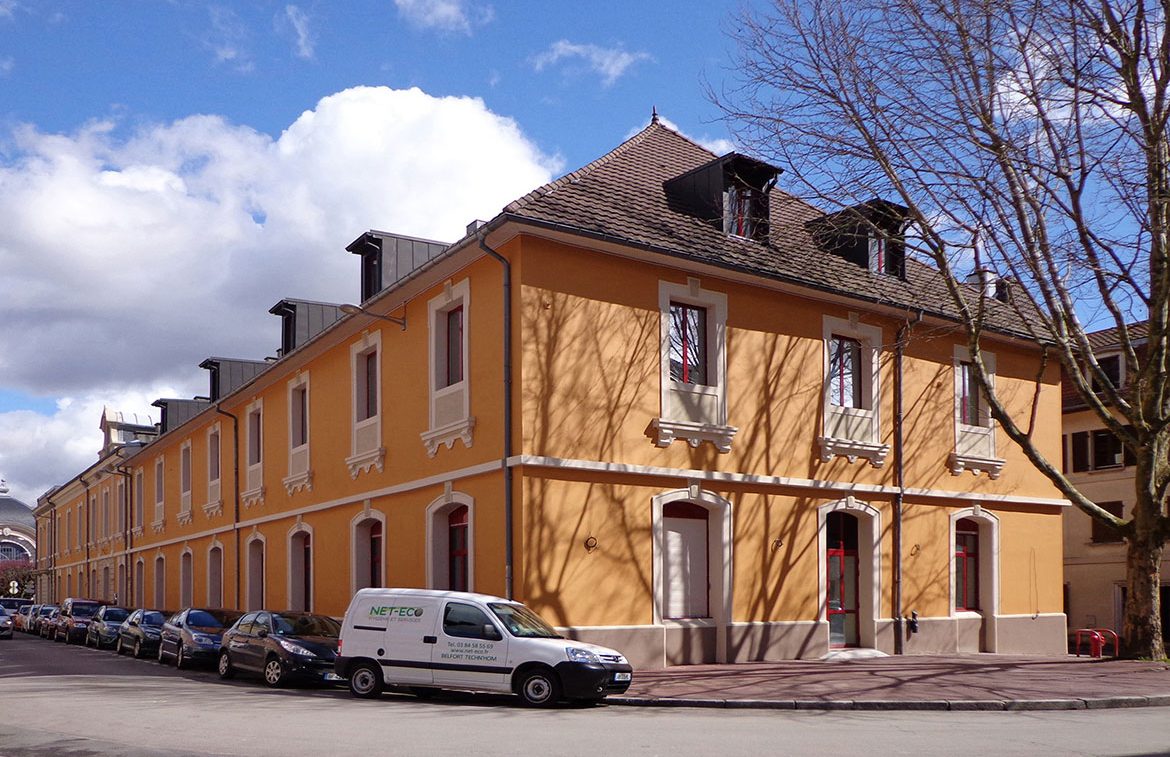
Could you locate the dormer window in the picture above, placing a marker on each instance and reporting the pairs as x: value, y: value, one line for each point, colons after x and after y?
x: 869, y: 235
x: 730, y: 193
x: 1111, y: 367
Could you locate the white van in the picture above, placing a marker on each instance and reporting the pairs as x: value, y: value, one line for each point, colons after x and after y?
x: 429, y: 640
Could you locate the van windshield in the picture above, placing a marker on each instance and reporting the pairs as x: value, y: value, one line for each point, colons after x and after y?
x: 522, y: 622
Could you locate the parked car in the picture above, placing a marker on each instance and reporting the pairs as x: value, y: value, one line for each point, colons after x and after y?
x: 103, y: 629
x: 76, y: 614
x: 6, y: 624
x: 193, y: 635
x: 281, y: 647
x: 48, y: 625
x: 140, y: 632
x: 34, y: 619
x: 21, y: 618
x: 12, y: 604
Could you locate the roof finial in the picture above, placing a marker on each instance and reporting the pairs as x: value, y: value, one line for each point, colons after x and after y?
x: 653, y: 114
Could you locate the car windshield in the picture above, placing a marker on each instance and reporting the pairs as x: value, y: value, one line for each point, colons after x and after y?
x: 85, y: 610
x: 210, y: 618
x: 153, y: 618
x: 46, y: 611
x: 306, y: 625
x: 116, y: 614
x: 520, y: 621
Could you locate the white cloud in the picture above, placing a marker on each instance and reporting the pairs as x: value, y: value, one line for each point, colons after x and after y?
x: 8, y: 8
x: 445, y: 15
x: 306, y: 41
x: 609, y: 62
x: 228, y: 38
x: 717, y: 145
x: 128, y: 260
x: 6, y: 66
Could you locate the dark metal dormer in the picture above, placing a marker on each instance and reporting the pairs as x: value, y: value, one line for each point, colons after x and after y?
x: 301, y: 320
x: 388, y: 258
x: 730, y: 193
x: 870, y: 234
x: 176, y: 412
x: 229, y: 374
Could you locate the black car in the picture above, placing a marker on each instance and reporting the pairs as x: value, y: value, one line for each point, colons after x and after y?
x: 103, y: 629
x: 140, y: 632
x: 48, y: 626
x: 38, y: 617
x: 281, y: 647
x: 193, y: 635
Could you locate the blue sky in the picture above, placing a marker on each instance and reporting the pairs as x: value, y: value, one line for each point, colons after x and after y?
x: 169, y: 169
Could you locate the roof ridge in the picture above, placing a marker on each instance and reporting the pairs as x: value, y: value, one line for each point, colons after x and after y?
x: 593, y: 165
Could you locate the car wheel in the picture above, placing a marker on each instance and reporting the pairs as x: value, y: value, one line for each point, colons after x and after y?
x: 118, y: 646
x: 224, y: 668
x: 365, y: 680
x: 162, y: 658
x: 181, y: 661
x: 274, y: 673
x: 138, y: 649
x: 540, y: 688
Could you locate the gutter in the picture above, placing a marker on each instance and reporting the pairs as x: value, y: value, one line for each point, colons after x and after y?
x: 899, y: 478
x: 235, y: 490
x: 509, y: 492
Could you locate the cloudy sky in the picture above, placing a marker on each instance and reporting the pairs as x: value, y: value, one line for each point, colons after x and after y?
x: 170, y: 169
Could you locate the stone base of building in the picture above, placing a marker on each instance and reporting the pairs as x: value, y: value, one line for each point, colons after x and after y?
x: 653, y: 647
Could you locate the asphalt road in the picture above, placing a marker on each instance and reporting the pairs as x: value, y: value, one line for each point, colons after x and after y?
x: 74, y: 702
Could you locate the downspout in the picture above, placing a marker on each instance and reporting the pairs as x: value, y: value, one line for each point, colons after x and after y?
x: 899, y: 479
x: 508, y: 490
x: 127, y: 532
x: 88, y: 520
x: 235, y: 490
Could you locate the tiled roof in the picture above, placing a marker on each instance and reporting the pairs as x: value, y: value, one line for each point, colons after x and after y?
x: 620, y: 196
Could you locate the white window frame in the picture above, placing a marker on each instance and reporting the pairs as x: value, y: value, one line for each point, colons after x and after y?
x: 357, y: 563
x: 120, y: 495
x: 869, y: 567
x: 709, y: 425
x: 105, y: 514
x: 160, y: 580
x: 437, y: 546
x: 139, y: 502
x: 449, y: 407
x: 159, y: 522
x: 186, y: 577
x: 253, y: 493
x: 988, y: 571
x: 847, y: 431
x: 255, y: 584
x: 300, y: 474
x: 294, y: 560
x: 186, y: 479
x: 366, y: 450
x: 214, y: 504
x: 214, y: 599
x: 974, y: 444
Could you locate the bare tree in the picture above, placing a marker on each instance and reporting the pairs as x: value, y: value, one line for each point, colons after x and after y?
x: 1027, y: 135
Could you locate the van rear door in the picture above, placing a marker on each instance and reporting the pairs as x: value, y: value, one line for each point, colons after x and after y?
x: 407, y: 623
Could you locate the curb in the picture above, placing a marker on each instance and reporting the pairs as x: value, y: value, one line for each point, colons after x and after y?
x: 879, y: 705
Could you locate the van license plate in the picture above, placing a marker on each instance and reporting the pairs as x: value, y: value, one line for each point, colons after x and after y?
x: 620, y: 677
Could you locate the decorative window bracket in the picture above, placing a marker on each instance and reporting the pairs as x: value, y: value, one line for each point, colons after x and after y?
x: 446, y: 435
x: 253, y: 497
x: 298, y: 481
x: 185, y: 518
x: 363, y: 462
x: 851, y: 449
x: 957, y: 463
x: 212, y: 509
x: 663, y: 432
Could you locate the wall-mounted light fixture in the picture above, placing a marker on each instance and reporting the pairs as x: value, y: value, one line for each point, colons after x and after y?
x: 590, y: 543
x: 777, y: 544
x: 359, y: 310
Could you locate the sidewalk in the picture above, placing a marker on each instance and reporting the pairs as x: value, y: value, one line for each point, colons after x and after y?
x: 964, y: 682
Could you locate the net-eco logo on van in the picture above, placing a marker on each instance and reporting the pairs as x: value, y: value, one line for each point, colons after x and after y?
x: 388, y: 612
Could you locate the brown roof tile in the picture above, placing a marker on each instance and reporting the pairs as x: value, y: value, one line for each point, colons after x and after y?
x: 620, y: 196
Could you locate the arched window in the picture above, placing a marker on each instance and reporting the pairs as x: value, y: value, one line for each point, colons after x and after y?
x: 215, y: 577
x: 255, y: 574
x: 457, y: 551
x: 375, y: 553
x: 160, y: 582
x: 186, y: 580
x: 966, y: 565
x: 301, y: 570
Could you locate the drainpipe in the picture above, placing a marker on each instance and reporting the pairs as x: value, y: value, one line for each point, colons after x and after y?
x: 88, y: 520
x: 899, y: 478
x: 508, y: 491
x: 127, y: 533
x: 235, y: 489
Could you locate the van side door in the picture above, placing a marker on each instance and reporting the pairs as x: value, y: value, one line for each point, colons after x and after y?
x: 472, y: 650
x: 398, y: 631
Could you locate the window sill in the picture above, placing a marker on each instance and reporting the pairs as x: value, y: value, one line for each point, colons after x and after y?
x: 363, y: 462
x: 297, y: 482
x: 851, y: 449
x: 212, y: 509
x: 158, y: 526
x: 185, y: 518
x: 957, y: 463
x: 446, y: 435
x: 253, y: 496
x: 137, y: 531
x: 663, y: 432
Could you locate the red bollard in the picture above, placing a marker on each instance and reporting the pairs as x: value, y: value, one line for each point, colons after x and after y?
x: 1096, y: 643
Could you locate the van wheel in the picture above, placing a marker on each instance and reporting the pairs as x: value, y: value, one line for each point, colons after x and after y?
x: 365, y: 680
x: 224, y: 668
x: 540, y: 688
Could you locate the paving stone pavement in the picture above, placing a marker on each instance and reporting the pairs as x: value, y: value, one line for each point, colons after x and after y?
x: 961, y: 682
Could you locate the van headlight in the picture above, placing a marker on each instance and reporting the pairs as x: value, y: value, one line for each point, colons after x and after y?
x: 295, y: 648
x: 576, y: 654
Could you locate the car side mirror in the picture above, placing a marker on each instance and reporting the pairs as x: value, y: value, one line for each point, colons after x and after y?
x: 134, y: 623
x: 491, y: 633
x: 262, y: 633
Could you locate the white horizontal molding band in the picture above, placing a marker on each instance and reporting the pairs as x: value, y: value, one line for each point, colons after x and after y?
x: 831, y: 487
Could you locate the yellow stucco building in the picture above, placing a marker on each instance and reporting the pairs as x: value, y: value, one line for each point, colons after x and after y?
x: 673, y: 409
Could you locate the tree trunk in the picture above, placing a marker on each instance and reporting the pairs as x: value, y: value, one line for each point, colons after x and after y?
x: 1143, y: 622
